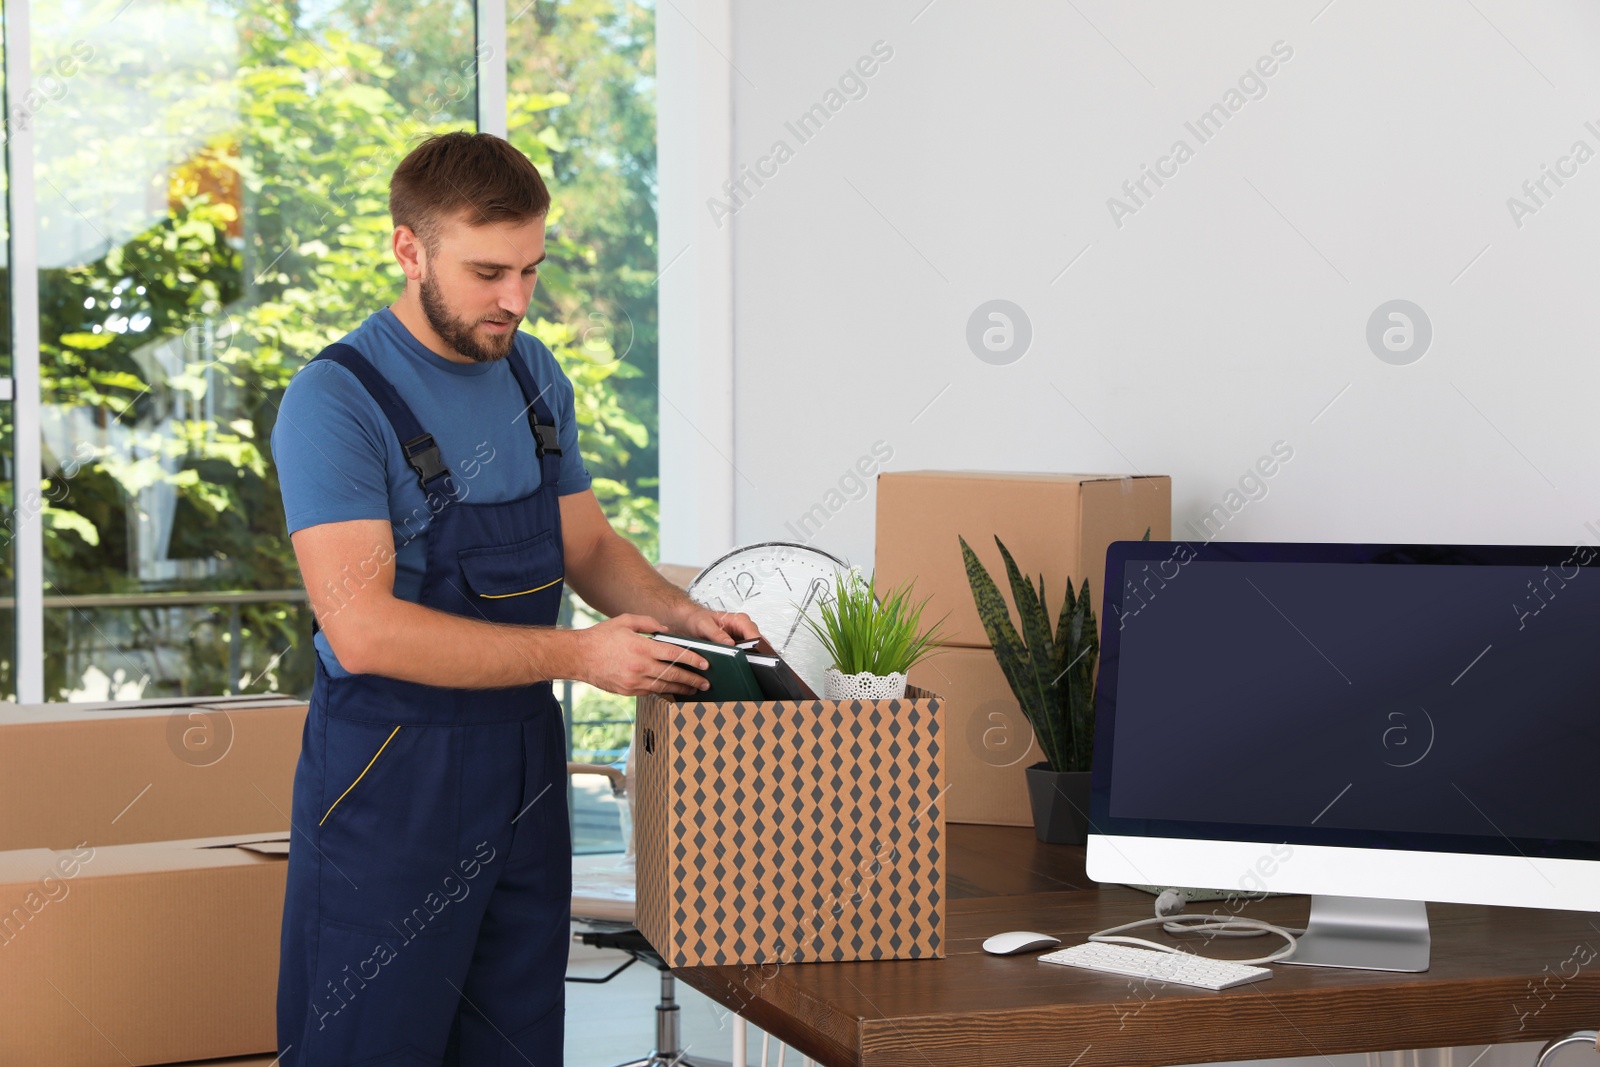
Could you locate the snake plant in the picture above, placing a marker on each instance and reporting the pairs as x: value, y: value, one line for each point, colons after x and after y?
x: 1052, y: 674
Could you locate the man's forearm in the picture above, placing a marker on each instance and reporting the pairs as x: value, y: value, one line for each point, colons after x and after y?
x: 616, y: 579
x: 399, y: 639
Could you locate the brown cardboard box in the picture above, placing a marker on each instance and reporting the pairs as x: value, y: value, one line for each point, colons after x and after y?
x: 990, y: 743
x: 1058, y: 525
x: 139, y: 954
x: 678, y: 574
x: 117, y: 774
x: 786, y: 832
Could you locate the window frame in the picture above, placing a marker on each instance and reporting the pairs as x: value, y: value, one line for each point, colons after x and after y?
x: 27, y: 443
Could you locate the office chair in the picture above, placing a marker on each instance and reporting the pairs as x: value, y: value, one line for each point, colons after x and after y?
x: 1590, y: 1038
x: 603, y: 903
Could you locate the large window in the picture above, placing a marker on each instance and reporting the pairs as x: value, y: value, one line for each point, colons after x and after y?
x: 211, y: 186
x: 581, y: 104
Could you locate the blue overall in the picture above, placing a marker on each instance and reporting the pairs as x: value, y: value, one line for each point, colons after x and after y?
x: 430, y: 875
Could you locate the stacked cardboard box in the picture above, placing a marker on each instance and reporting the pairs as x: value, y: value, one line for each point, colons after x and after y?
x: 140, y: 954
x: 142, y: 891
x: 116, y: 774
x: 1057, y: 525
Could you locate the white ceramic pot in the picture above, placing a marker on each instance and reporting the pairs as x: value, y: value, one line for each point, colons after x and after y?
x: 863, y: 686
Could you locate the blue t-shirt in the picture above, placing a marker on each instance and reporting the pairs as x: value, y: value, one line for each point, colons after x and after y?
x: 339, y: 459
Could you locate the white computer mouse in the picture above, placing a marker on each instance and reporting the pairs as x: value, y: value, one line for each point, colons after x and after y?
x: 1015, y: 941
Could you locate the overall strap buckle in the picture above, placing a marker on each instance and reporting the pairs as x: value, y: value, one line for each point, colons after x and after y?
x: 423, y: 456
x: 546, y: 441
x: 545, y: 438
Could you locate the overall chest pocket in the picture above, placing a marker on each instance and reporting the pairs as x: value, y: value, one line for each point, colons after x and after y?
x: 519, y: 583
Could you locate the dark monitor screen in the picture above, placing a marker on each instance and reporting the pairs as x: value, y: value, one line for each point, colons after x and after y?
x: 1426, y: 697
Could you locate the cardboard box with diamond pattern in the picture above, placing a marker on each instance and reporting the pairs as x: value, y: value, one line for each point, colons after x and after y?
x: 791, y: 831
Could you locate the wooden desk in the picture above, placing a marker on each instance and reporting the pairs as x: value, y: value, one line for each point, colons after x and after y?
x: 1498, y: 975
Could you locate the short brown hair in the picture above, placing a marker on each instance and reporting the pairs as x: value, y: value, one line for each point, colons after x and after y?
x: 478, y: 173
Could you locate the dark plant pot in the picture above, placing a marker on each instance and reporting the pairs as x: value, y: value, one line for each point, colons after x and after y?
x: 1060, y: 804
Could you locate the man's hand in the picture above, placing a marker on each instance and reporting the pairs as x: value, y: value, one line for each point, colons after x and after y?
x: 716, y: 626
x: 617, y: 656
x: 613, y: 578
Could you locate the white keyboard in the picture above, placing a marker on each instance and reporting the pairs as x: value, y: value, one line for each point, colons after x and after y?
x: 1182, y: 968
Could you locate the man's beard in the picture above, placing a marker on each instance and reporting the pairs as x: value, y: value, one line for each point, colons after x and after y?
x: 457, y: 333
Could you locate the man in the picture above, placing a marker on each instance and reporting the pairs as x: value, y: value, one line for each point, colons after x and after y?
x: 437, y: 503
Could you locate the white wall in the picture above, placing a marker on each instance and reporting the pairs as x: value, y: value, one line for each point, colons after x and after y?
x: 1227, y: 314
x: 1222, y: 317
x: 694, y: 286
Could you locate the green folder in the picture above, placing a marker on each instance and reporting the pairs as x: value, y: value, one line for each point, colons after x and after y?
x: 729, y: 673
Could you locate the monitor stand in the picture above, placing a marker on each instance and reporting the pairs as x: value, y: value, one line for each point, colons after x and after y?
x: 1365, y: 934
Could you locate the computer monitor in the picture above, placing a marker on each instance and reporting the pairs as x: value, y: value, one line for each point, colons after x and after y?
x: 1375, y: 725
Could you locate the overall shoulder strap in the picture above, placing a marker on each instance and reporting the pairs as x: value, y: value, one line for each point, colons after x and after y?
x: 546, y: 439
x: 416, y: 444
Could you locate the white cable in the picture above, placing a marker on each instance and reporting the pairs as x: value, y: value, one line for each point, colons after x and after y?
x: 1207, y: 925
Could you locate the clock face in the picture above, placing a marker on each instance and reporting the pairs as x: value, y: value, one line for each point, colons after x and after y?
x: 775, y: 583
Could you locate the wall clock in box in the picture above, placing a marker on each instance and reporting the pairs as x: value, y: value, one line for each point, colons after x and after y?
x: 775, y: 583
